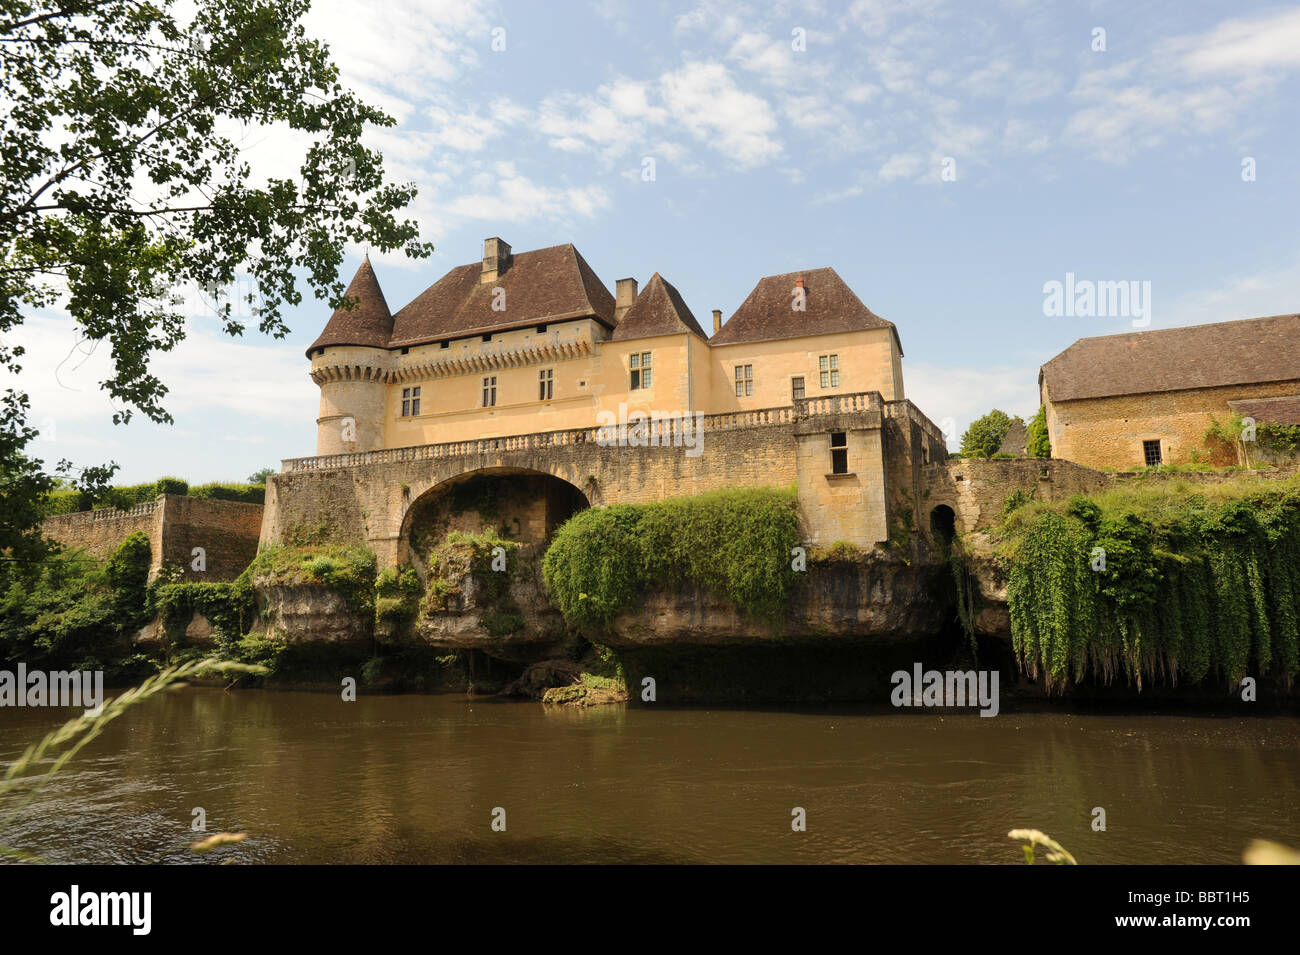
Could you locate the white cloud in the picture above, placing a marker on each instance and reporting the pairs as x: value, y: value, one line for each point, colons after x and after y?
x: 209, y: 371
x: 704, y: 99
x: 503, y: 195
x: 1254, y: 294
x: 1191, y: 85
x: 1266, y: 44
x: 901, y: 166
x: 701, y: 99
x: 404, y: 47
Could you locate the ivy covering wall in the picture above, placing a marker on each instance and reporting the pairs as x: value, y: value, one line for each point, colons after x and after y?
x: 1170, y: 584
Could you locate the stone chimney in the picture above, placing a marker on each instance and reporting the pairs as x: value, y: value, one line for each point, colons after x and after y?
x: 624, y: 298
x: 496, y: 259
x: 717, y: 320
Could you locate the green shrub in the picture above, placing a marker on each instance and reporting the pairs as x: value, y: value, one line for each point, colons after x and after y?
x: 348, y: 571
x: 499, y: 623
x: 245, y: 493
x: 170, y: 485
x: 74, y: 611
x: 66, y: 502
x: 1281, y: 439
x: 126, y: 496
x: 127, y: 574
x: 229, y: 609
x: 985, y: 435
x: 1016, y: 499
x: 734, y: 543
x: 397, y: 600
x: 1037, y: 442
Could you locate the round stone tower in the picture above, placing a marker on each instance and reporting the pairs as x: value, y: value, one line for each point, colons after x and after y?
x: 350, y: 362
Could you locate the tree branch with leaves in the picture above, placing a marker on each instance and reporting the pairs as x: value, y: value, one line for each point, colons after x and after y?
x: 125, y: 177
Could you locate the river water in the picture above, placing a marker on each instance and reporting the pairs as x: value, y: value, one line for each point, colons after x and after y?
x: 416, y: 779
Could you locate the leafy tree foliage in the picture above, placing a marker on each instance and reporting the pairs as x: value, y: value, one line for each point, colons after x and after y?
x: 985, y: 435
x: 123, y: 178
x: 72, y: 611
x: 1037, y: 443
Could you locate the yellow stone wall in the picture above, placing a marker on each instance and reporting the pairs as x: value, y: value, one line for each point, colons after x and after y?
x: 591, y: 376
x: 843, y: 507
x: 868, y: 361
x: 352, y: 399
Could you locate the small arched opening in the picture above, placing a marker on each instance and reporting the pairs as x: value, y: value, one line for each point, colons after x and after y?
x: 943, y: 524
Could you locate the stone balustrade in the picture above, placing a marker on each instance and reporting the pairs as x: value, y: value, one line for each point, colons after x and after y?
x: 658, y: 431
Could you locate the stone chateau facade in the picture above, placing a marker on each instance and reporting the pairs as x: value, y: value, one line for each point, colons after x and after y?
x: 534, y: 341
x: 521, y: 363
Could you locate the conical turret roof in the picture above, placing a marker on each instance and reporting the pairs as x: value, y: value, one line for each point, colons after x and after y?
x: 369, y: 324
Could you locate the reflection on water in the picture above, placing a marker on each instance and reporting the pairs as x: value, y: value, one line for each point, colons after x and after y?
x: 415, y: 779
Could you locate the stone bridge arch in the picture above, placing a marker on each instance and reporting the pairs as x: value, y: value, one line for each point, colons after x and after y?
x: 523, y: 504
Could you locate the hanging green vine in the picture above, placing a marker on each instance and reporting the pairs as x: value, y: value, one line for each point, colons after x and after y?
x: 1157, y: 585
x: 967, y: 593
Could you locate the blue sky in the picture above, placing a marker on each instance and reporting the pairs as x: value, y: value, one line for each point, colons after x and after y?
x: 1122, y: 164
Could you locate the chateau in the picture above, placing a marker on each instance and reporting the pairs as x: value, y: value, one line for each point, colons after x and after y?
x: 513, y: 369
x: 534, y: 341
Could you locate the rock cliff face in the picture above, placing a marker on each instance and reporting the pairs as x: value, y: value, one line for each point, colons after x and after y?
x: 519, y: 624
x: 992, y: 618
x: 877, y: 599
x: 852, y: 623
x: 304, y: 613
x: 874, y: 597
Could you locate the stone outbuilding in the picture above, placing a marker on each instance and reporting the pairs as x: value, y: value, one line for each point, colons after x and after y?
x: 1147, y: 398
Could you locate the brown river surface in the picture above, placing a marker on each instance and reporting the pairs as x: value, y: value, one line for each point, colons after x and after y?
x: 415, y: 779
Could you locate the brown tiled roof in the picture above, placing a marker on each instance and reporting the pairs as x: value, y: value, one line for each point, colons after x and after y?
x: 832, y: 308
x: 658, y: 310
x: 370, y: 323
x: 1244, y: 352
x: 544, y: 285
x: 1283, y: 410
